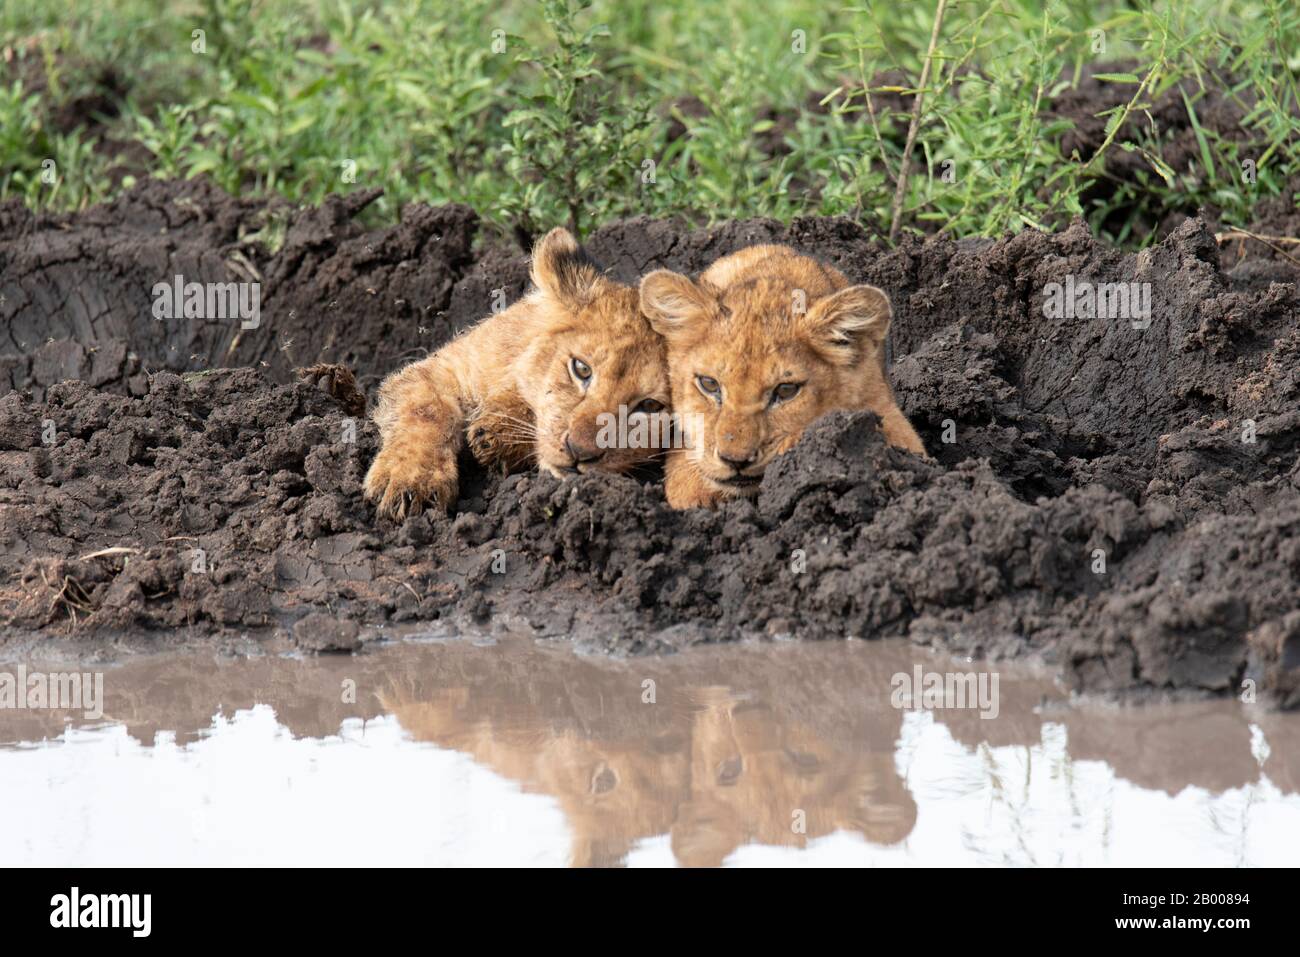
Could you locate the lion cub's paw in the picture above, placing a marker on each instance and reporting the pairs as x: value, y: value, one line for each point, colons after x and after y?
x: 502, y: 435
x: 402, y: 483
x: 684, y: 487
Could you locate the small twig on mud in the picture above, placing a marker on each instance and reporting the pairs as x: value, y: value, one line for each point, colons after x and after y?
x: 104, y: 552
x: 65, y: 594
x: 912, y: 128
x: 240, y: 265
x: 1269, y: 241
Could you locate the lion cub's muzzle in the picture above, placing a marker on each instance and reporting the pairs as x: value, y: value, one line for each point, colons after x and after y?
x: 579, y: 449
x: 737, y: 470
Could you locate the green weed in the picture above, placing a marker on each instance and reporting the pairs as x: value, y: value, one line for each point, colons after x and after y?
x: 540, y: 112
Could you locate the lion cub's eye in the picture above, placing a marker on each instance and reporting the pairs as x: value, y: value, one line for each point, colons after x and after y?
x: 649, y: 406
x: 709, y: 386
x: 581, y: 371
x: 786, y: 391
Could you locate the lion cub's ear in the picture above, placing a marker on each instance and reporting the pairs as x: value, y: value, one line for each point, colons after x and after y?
x: 562, y: 270
x: 674, y: 305
x: 849, y: 325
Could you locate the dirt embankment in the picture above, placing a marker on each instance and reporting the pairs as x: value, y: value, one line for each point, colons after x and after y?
x: 1124, y: 502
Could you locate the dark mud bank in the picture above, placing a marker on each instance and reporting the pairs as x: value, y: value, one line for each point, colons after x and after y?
x: 1121, y: 502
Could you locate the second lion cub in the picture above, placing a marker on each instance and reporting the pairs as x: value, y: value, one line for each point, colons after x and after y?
x: 764, y: 343
x: 531, y: 384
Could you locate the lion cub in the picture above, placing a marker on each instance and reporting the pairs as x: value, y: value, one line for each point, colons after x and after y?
x: 530, y: 384
x: 764, y: 343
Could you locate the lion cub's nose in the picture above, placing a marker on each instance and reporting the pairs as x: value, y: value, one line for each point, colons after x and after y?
x: 737, y: 464
x: 580, y: 452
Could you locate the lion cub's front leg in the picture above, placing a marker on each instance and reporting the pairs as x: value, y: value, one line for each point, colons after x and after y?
x: 422, y: 426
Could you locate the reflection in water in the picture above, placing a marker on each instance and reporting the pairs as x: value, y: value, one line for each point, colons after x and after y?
x: 713, y: 769
x: 734, y: 754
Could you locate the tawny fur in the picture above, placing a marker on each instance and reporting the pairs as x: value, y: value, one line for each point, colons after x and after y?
x: 756, y: 319
x: 508, y: 384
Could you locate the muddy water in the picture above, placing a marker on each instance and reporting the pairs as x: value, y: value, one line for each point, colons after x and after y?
x: 519, y: 752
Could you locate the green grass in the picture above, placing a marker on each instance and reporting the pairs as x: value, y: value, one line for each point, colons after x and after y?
x: 564, y: 111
